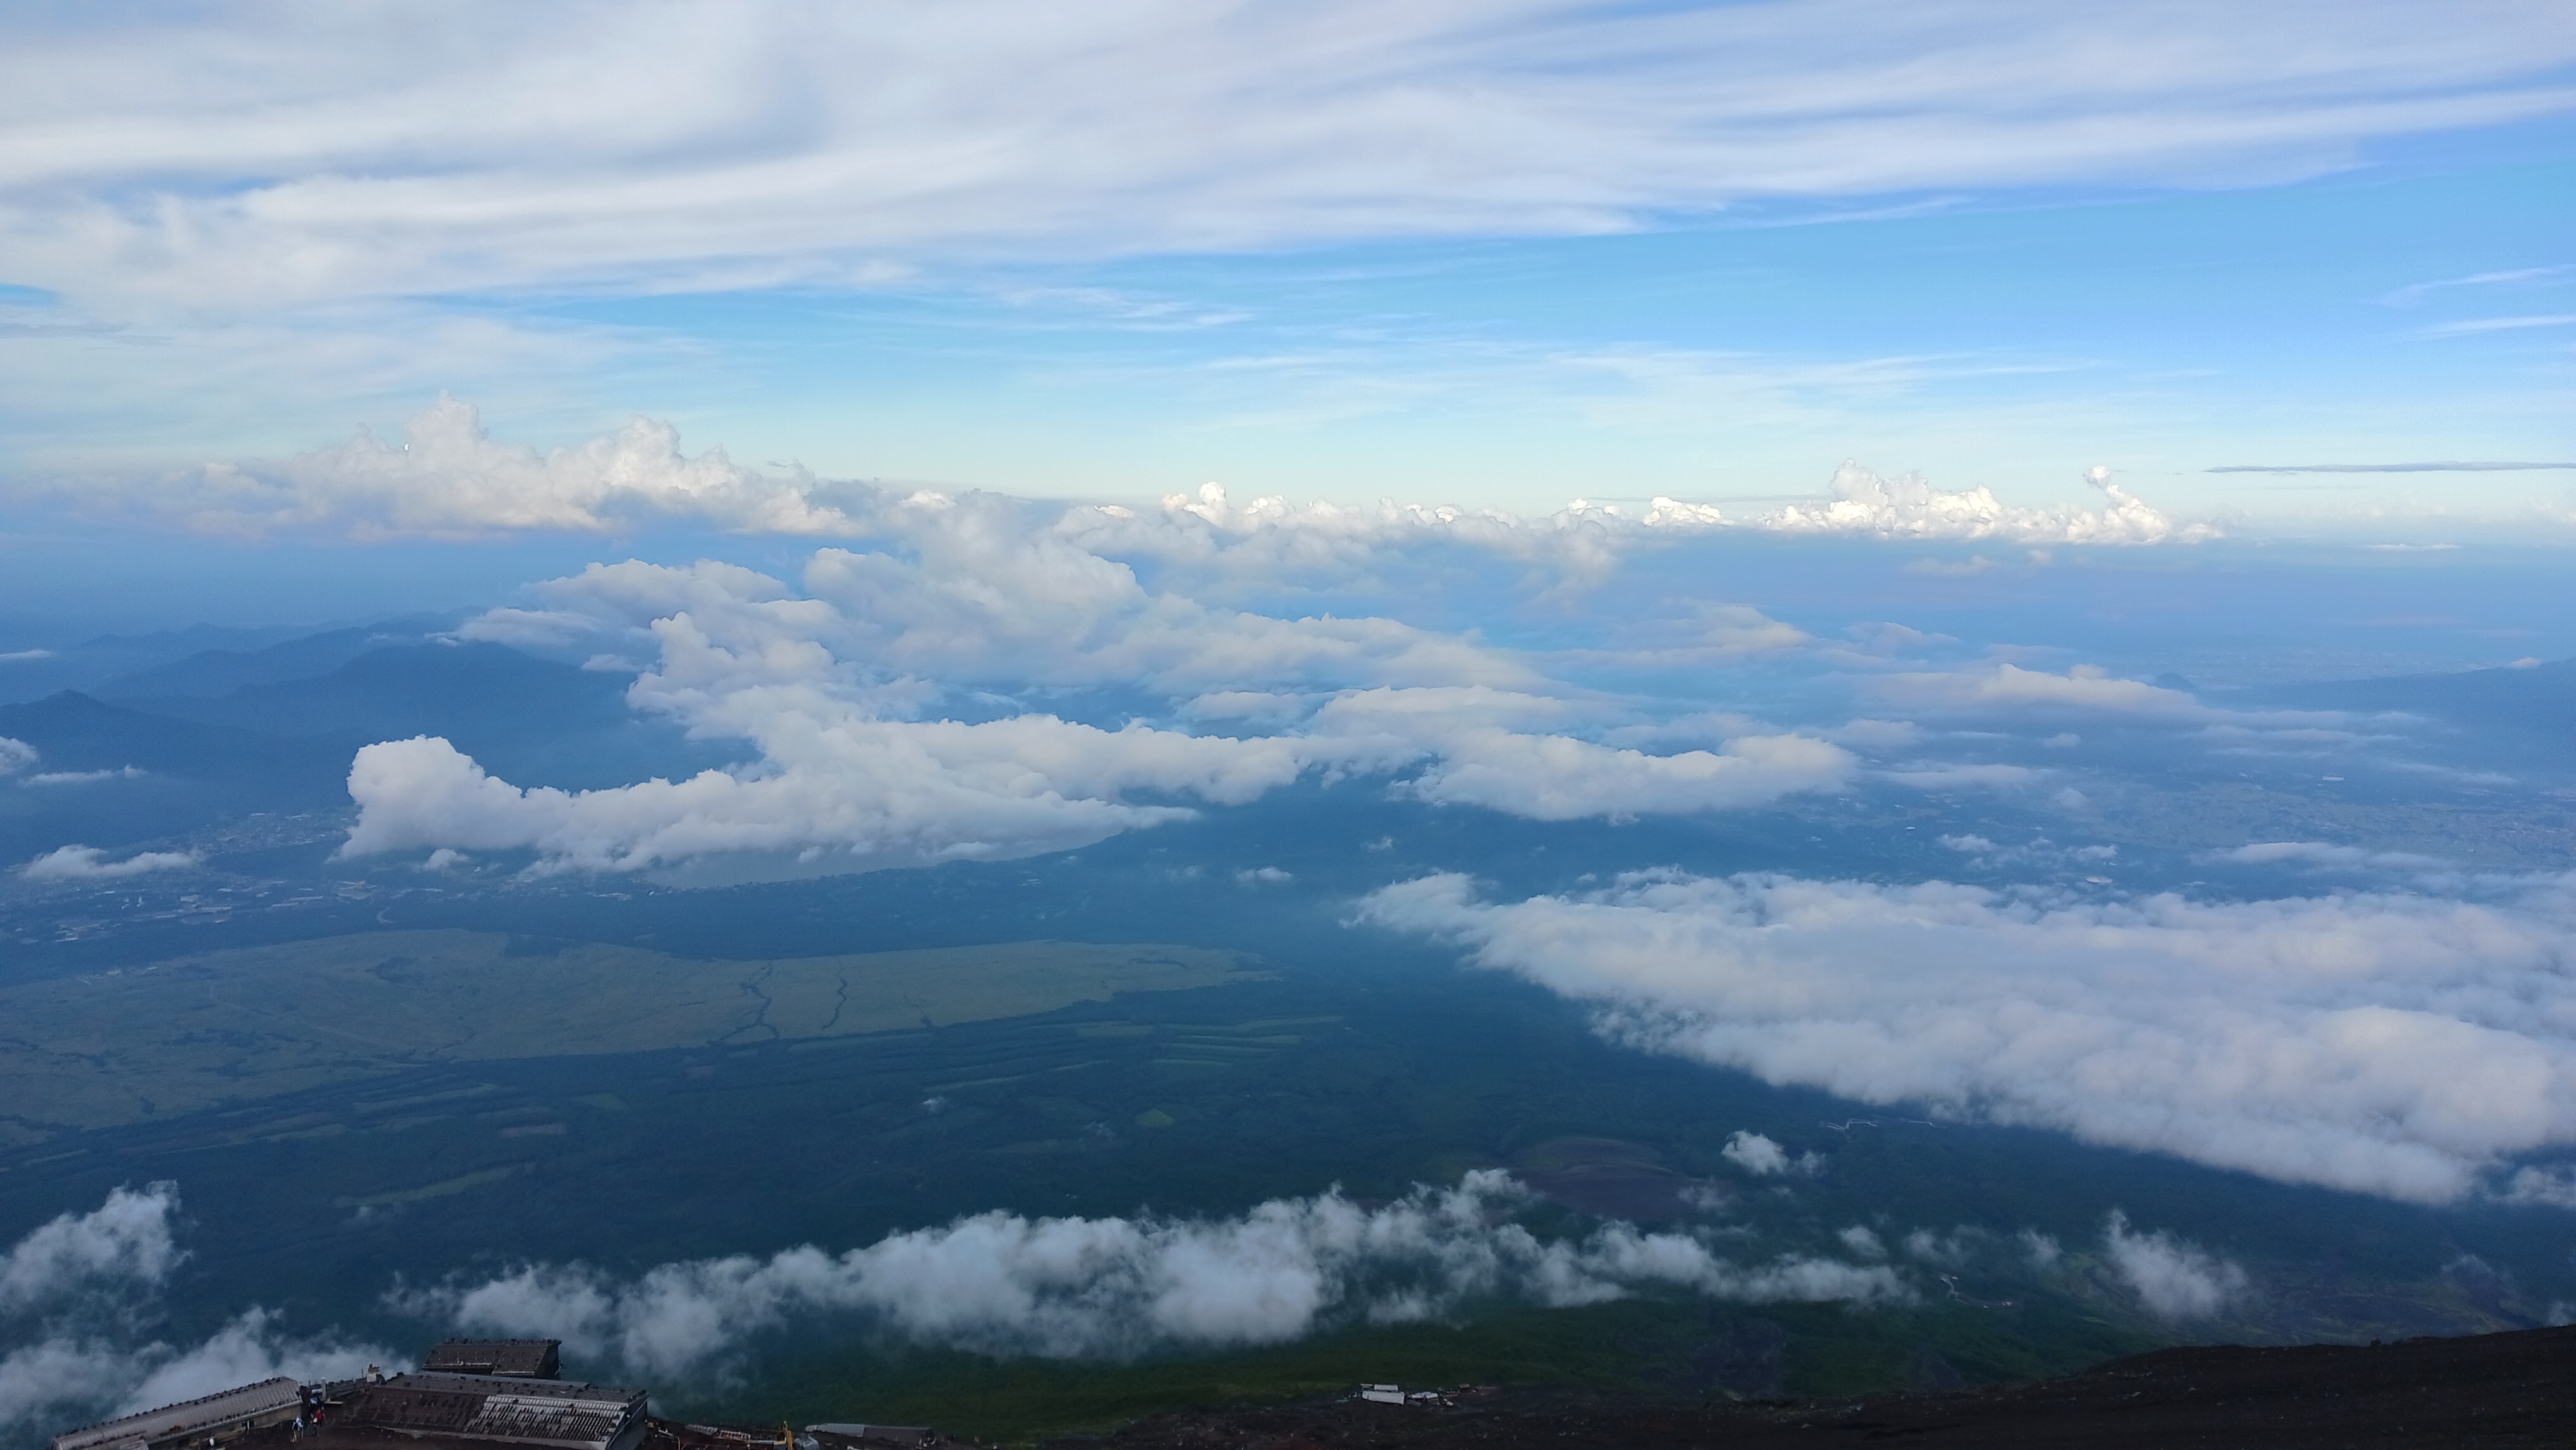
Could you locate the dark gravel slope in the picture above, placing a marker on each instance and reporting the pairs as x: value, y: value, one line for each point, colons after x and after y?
x: 2515, y: 1389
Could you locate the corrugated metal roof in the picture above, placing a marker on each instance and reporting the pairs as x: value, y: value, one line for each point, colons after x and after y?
x: 498, y: 1407
x: 188, y: 1417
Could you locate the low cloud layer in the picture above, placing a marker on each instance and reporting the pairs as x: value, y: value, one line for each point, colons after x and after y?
x: 1909, y: 507
x: 844, y: 686
x: 89, y: 863
x: 126, y: 1241
x: 1111, y: 1287
x: 78, y: 1300
x: 2385, y: 1043
x: 2175, y: 1281
x: 448, y: 478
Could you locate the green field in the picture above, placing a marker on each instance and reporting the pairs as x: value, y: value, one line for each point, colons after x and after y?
x: 171, y: 1037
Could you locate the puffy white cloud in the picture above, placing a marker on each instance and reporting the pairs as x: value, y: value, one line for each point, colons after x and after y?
x: 2547, y: 1187
x: 2386, y: 1043
x: 127, y: 1240
x: 1948, y: 1251
x: 1558, y: 778
x: 2174, y: 1280
x: 89, y: 863
x: 249, y: 1348
x: 1207, y: 537
x: 1760, y: 1156
x: 1909, y: 507
x: 847, y: 795
x: 779, y: 142
x: 1081, y: 1287
x: 66, y: 1377
x: 447, y: 478
x: 15, y: 755
x: 840, y: 792
x: 826, y: 684
x: 76, y: 1292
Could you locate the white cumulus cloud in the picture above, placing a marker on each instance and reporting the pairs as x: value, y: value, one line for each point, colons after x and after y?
x: 89, y: 863
x: 1109, y: 1287
x: 832, y: 684
x: 76, y: 1296
x: 447, y: 478
x: 1909, y: 507
x: 127, y: 1240
x: 1761, y: 1156
x: 2174, y: 1280
x: 2386, y: 1043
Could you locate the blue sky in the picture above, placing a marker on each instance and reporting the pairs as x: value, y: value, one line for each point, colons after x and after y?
x: 2014, y: 340
x: 1501, y: 256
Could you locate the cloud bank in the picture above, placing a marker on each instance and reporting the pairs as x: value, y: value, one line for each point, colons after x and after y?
x: 895, y: 696
x: 447, y: 478
x: 999, y: 1283
x: 848, y: 689
x: 125, y: 1241
x: 2383, y: 1043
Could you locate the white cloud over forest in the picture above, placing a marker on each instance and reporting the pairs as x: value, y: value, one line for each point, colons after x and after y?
x: 125, y: 1241
x: 2175, y: 1280
x: 1001, y: 1283
x: 77, y: 1296
x: 2383, y: 1043
x: 844, y: 686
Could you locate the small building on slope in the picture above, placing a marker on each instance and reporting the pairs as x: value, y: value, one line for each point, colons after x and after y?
x: 538, y: 1359
x: 501, y: 1410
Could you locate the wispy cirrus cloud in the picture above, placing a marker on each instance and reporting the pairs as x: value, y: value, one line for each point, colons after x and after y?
x: 2501, y: 324
x: 689, y: 149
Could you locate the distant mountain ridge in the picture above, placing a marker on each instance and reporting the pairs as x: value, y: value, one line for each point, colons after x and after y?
x: 219, y: 671
x: 102, y: 664
x: 2467, y: 695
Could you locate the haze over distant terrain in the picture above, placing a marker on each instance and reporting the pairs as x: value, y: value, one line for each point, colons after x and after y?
x: 1874, y: 697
